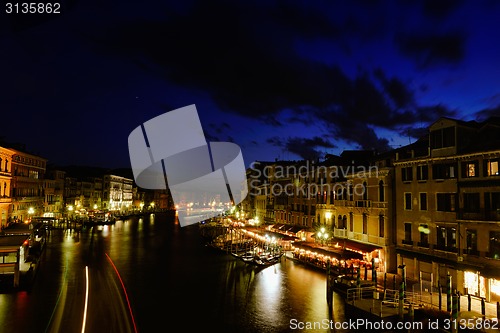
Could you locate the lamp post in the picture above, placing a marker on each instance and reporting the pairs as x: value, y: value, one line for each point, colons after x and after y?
x: 31, y: 211
x: 322, y: 235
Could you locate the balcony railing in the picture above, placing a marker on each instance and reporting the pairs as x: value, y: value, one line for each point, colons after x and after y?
x: 364, y: 203
x: 482, y: 215
x: 365, y: 238
x: 5, y: 199
x: 452, y: 249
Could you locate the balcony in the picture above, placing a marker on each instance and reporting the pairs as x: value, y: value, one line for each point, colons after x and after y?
x: 364, y: 203
x: 407, y: 242
x: 445, y: 248
x: 482, y: 215
x: 472, y: 252
x: 358, y: 236
x: 5, y: 199
x: 344, y: 203
x: 340, y: 233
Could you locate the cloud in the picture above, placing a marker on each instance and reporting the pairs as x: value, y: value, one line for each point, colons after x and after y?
x: 484, y: 114
x: 430, y: 50
x: 245, y: 57
x: 306, y: 148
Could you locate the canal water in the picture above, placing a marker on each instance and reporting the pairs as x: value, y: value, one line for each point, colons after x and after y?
x: 176, y: 282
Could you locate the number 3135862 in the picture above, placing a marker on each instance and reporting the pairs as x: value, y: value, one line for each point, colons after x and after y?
x: 32, y: 8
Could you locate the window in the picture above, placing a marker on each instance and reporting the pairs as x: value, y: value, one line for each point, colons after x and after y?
x: 441, y: 238
x: 351, y: 221
x: 422, y: 172
x: 381, y: 193
x: 446, y: 238
x: 494, y: 245
x: 381, y: 226
x: 442, y: 138
x: 365, y: 223
x: 470, y: 169
x: 407, y: 201
x: 407, y: 174
x: 471, y: 240
x: 365, y: 191
x: 492, y: 168
x: 443, y: 171
x: 471, y: 202
x: 424, y: 235
x: 407, y: 239
x: 446, y: 202
x: 423, y: 201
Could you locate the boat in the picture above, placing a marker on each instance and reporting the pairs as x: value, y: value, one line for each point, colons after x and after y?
x: 247, y: 256
x: 101, y: 218
x: 266, y: 259
x: 261, y: 259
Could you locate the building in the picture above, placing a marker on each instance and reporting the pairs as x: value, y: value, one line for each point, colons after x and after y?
x: 448, y: 207
x: 28, y: 173
x: 5, y: 185
x: 117, y: 193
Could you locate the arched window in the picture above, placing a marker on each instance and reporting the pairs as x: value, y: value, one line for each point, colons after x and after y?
x: 381, y: 226
x: 381, y: 193
x: 365, y: 191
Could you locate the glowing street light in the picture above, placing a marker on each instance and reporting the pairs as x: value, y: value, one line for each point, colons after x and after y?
x: 31, y: 211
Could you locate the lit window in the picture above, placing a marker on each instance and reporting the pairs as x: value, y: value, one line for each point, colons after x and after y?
x: 471, y: 170
x: 492, y: 168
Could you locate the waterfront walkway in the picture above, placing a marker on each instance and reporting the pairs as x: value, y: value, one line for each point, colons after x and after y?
x: 427, y: 299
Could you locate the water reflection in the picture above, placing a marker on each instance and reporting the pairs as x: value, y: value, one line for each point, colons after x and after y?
x: 173, y: 279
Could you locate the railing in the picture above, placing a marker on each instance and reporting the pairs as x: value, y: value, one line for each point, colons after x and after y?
x: 355, y: 294
x: 371, y: 239
x: 340, y: 233
x: 364, y: 203
x: 482, y: 215
x: 5, y: 199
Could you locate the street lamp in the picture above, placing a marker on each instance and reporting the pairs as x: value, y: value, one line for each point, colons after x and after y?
x: 31, y: 211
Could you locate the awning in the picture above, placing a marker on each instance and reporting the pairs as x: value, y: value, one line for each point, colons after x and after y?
x: 278, y: 226
x: 329, y: 251
x: 294, y: 229
x: 356, y: 246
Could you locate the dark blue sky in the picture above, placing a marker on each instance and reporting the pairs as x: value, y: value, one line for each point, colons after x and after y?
x: 282, y: 79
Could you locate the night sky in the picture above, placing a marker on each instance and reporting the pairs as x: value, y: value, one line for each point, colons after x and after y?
x: 282, y: 79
